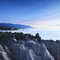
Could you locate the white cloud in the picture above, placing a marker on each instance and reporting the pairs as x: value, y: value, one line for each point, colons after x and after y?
x: 42, y: 23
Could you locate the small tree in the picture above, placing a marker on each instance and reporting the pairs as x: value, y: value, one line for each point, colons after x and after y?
x: 38, y: 37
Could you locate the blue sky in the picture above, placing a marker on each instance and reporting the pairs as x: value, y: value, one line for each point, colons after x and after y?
x: 37, y: 13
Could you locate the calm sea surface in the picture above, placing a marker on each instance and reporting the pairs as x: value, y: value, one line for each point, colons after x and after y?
x: 43, y: 32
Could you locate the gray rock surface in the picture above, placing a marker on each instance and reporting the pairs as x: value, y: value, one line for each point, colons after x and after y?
x: 3, y: 55
x: 53, y: 47
x: 30, y: 50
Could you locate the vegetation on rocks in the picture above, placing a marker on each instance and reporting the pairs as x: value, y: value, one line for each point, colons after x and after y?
x: 18, y: 36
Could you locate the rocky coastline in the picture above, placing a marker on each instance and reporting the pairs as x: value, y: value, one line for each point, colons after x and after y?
x: 28, y: 49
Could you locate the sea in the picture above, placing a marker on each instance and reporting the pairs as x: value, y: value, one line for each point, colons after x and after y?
x: 44, y: 33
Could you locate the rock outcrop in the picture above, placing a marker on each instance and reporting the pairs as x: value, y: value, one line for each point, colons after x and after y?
x: 53, y: 47
x: 3, y: 54
x: 26, y: 50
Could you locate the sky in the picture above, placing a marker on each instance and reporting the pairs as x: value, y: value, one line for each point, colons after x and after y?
x: 36, y: 13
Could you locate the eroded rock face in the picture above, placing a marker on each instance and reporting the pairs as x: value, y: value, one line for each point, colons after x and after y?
x: 53, y: 47
x: 30, y: 50
x: 3, y: 54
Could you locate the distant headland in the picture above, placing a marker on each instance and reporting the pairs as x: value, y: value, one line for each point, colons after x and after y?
x: 10, y: 26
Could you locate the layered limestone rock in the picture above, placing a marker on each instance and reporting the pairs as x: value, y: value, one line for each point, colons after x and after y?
x: 30, y: 50
x: 3, y: 54
x: 53, y: 47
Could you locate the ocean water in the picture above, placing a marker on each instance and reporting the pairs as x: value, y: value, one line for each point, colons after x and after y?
x: 45, y: 33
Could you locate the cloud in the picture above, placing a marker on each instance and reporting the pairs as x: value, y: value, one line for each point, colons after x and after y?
x: 52, y: 22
